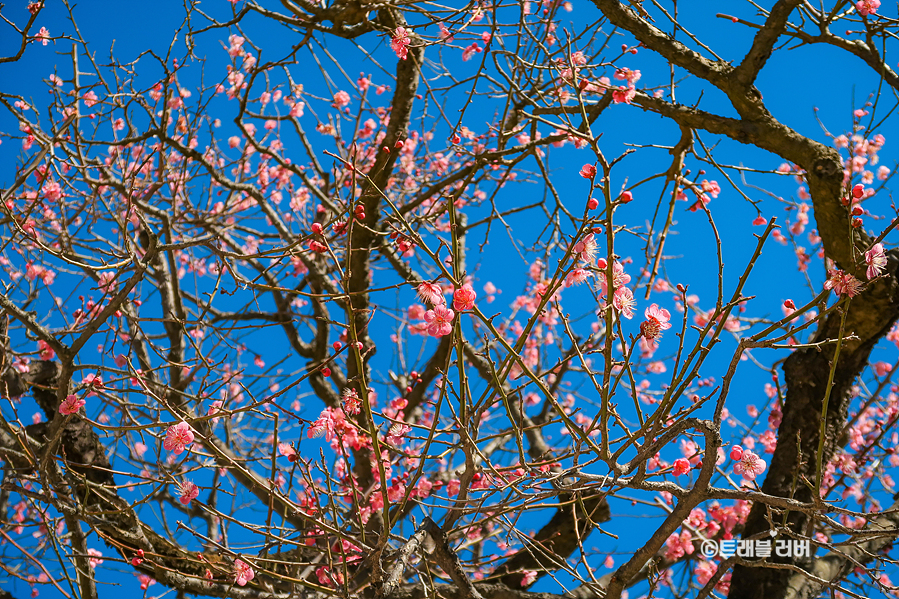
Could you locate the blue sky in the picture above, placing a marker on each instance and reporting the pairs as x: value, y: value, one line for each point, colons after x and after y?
x: 794, y: 84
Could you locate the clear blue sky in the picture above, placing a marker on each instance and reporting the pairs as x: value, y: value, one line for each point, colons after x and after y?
x: 794, y: 83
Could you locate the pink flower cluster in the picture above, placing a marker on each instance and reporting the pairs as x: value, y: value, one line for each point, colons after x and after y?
x: 400, y: 41
x: 334, y: 426
x: 876, y: 260
x: 189, y: 492
x: 843, y: 283
x: 867, y: 7
x: 178, y: 437
x: 748, y: 463
x: 243, y: 572
x: 656, y: 322
x: 439, y: 319
x: 70, y: 405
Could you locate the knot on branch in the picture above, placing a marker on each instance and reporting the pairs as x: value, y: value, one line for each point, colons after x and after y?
x: 828, y: 167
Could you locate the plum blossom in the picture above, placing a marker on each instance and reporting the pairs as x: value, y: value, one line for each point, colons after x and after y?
x: 145, y: 581
x: 529, y: 577
x: 588, y: 171
x: 341, y: 99
x: 95, y: 557
x: 678, y: 545
x: 656, y: 322
x: 178, y: 437
x: 624, y: 95
x: 619, y: 277
x: 463, y: 298
x: 243, y: 572
x: 843, y: 283
x: 400, y: 42
x: 750, y: 464
x: 586, y: 248
x: 71, y: 405
x: 351, y: 401
x: 864, y: 8
x: 45, y: 351
x: 876, y: 260
x: 577, y: 276
x: 431, y: 293
x: 439, y: 321
x: 189, y: 491
x: 287, y: 450
x: 44, y: 35
x: 107, y: 282
x: 681, y: 466
x: 623, y: 301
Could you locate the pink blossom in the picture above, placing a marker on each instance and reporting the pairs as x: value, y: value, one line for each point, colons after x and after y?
x: 711, y: 187
x: 341, y: 99
x: 624, y: 302
x: 736, y: 452
x: 529, y: 577
x: 396, y: 491
x: 145, y: 581
x: 107, y: 282
x: 470, y: 51
x: 588, y: 171
x: 463, y: 298
x: 235, y: 47
x: 585, y: 248
x: 243, y: 572
x: 750, y: 465
x: 189, y: 491
x: 178, y: 437
x: 400, y: 42
x: 94, y: 560
x: 624, y: 95
x: 439, y: 321
x: 843, y: 283
x: 287, y: 450
x: 45, y: 351
x: 70, y: 405
x: 44, y: 36
x: 619, y: 277
x: 324, y: 425
x: 214, y: 408
x: 656, y: 322
x: 678, y: 545
x: 577, y: 276
x: 431, y: 293
x: 681, y: 466
x: 876, y: 260
x: 864, y: 8
x: 351, y: 401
